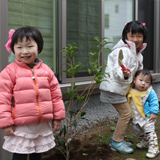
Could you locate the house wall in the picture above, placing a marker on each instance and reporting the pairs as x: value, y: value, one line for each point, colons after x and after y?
x: 156, y: 87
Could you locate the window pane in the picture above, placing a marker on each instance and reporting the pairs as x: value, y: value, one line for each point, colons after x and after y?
x: 39, y: 14
x: 83, y: 24
x: 117, y: 13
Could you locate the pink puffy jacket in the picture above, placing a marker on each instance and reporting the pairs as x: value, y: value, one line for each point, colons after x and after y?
x: 36, y: 92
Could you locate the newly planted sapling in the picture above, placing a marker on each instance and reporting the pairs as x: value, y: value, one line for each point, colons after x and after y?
x: 70, y: 129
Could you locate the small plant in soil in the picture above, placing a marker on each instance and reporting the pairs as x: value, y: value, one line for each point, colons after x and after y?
x: 129, y: 136
x: 69, y: 129
x: 103, y: 139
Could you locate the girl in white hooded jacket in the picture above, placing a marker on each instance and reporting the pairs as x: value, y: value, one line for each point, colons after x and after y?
x: 127, y: 52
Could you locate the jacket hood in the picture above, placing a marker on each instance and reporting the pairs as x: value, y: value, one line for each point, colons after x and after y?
x: 119, y: 45
x: 130, y: 45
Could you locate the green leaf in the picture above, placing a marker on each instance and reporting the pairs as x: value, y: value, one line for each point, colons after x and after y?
x: 68, y: 90
x: 62, y: 141
x: 83, y: 113
x: 94, y: 43
x: 78, y: 45
x: 107, y: 74
x: 66, y: 102
x: 68, y: 64
x: 64, y: 130
x: 77, y: 70
x: 80, y: 98
x: 91, y: 53
x: 68, y: 73
x: 65, y: 94
x: 99, y: 76
x: 104, y: 66
x: 71, y: 94
x: 91, y: 63
x: 95, y: 49
x: 103, y: 45
x: 75, y: 123
x: 75, y: 86
x: 74, y: 95
x: 68, y: 58
x: 98, y: 81
x: 104, y: 38
x: 98, y: 69
x: 64, y: 50
x: 90, y: 71
x: 72, y: 55
x: 61, y: 131
x: 77, y: 64
x: 97, y: 39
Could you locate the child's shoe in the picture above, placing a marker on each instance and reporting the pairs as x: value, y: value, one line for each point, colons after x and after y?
x: 153, y: 149
x: 120, y: 147
x: 143, y: 144
x: 126, y: 143
x: 152, y: 152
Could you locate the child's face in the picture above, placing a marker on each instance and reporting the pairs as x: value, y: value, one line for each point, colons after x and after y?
x: 142, y: 82
x: 26, y: 50
x: 136, y: 38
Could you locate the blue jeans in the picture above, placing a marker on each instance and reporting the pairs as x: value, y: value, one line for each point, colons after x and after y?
x: 33, y: 156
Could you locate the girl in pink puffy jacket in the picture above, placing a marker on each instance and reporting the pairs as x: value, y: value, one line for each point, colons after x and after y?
x: 30, y: 97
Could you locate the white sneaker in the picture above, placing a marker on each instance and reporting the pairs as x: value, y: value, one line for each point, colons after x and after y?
x: 152, y: 152
x: 143, y: 144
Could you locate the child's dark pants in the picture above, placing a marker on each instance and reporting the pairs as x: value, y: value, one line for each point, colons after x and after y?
x: 33, y: 156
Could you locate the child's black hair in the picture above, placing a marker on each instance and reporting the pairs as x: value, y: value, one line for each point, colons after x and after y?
x: 145, y: 72
x: 134, y: 27
x: 28, y: 32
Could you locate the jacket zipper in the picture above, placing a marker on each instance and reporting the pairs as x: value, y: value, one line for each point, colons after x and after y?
x: 39, y: 109
x: 14, y: 112
x: 33, y: 74
x: 37, y: 95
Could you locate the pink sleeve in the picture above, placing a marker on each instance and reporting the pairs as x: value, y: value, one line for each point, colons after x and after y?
x: 58, y: 105
x: 6, y: 89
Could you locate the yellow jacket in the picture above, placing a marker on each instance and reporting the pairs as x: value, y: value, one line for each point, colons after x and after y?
x: 146, y: 102
x: 139, y: 98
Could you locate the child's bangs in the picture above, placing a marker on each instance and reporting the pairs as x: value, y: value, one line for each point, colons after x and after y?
x: 136, y: 29
x: 27, y: 35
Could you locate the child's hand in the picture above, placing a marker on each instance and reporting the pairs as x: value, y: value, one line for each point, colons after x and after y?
x: 57, y: 125
x: 126, y: 73
x: 152, y: 117
x: 8, y: 131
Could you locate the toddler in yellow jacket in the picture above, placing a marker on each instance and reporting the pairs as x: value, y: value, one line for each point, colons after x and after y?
x: 145, y: 107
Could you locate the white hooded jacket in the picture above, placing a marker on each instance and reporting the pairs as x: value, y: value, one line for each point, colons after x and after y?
x: 132, y: 60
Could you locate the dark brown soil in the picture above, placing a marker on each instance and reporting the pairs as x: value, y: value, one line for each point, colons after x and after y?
x: 93, y: 145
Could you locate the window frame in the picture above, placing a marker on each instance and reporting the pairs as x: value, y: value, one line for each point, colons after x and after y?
x: 3, y: 34
x: 63, y: 41
x: 156, y: 49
